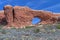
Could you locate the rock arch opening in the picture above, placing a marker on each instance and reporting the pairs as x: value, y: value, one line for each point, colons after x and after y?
x: 36, y: 20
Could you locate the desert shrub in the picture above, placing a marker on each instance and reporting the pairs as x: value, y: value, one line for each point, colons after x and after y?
x: 1, y: 38
x: 29, y: 26
x: 58, y: 26
x: 13, y: 28
x: 37, y: 30
x: 49, y: 39
x: 3, y: 31
x: 1, y: 26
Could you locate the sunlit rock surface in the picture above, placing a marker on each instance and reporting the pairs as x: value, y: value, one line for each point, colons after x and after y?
x: 20, y: 16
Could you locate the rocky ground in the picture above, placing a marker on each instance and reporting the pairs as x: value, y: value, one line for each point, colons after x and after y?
x: 40, y: 32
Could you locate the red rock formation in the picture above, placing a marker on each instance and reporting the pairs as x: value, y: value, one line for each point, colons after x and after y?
x: 8, y: 11
x: 2, y: 14
x: 2, y: 17
x: 20, y: 16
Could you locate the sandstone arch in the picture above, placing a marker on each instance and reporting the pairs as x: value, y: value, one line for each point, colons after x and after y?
x: 20, y: 16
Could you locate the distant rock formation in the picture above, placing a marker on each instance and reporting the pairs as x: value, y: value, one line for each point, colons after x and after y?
x: 20, y: 16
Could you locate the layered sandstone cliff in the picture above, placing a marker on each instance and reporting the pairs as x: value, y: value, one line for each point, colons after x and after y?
x: 20, y: 16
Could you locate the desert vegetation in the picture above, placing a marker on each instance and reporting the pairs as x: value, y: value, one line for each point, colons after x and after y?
x: 40, y: 32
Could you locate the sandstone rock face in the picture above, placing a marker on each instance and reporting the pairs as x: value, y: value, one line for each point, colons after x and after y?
x: 20, y: 16
x: 2, y: 17
x: 8, y: 11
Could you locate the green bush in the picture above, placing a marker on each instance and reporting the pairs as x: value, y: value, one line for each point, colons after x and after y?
x: 3, y: 31
x: 36, y: 30
x: 1, y: 26
x: 58, y: 26
x: 29, y: 26
x: 13, y: 28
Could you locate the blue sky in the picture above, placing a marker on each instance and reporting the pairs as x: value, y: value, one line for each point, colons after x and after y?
x: 49, y: 5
